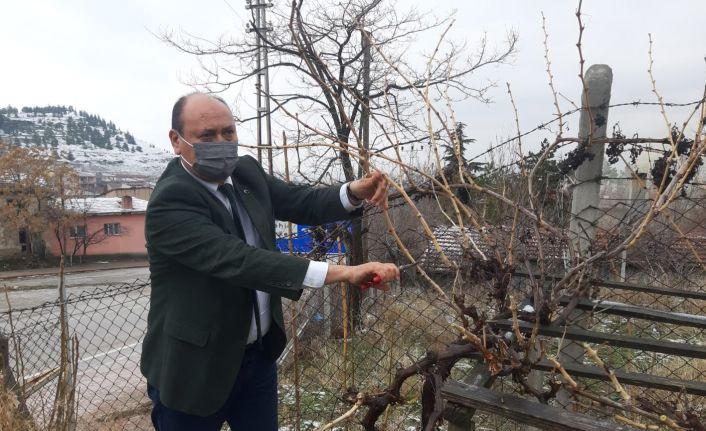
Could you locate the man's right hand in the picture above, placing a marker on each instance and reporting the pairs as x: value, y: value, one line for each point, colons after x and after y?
x: 362, y: 274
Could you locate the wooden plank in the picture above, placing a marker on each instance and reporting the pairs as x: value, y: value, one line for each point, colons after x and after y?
x: 650, y: 289
x: 637, y: 379
x: 647, y: 344
x: 634, y: 311
x: 524, y: 411
x: 681, y: 293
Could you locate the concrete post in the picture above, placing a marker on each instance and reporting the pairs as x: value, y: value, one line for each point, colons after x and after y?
x: 586, y: 194
x: 634, y: 203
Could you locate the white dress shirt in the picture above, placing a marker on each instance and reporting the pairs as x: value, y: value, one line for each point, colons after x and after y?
x: 316, y: 272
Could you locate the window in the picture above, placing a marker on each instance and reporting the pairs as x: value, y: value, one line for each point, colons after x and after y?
x: 23, y: 240
x: 111, y: 228
x: 77, y: 231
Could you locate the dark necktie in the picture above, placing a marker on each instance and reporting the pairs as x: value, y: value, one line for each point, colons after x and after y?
x: 229, y: 192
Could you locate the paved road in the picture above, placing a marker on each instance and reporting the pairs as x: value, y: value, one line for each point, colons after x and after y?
x: 109, y: 329
x: 35, y: 290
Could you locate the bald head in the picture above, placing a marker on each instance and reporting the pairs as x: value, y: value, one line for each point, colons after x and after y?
x: 178, y: 109
x: 200, y: 118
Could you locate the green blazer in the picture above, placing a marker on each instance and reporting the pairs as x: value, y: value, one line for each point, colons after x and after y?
x: 201, y: 270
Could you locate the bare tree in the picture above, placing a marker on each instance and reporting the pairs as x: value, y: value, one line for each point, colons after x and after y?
x: 337, y: 82
x: 23, y: 186
x: 40, y: 191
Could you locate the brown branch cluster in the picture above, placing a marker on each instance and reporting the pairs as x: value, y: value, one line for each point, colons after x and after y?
x: 352, y: 81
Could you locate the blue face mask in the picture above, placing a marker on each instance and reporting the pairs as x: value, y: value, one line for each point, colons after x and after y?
x: 215, y: 161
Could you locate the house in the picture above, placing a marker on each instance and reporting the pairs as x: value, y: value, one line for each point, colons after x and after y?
x: 116, y: 181
x: 104, y: 226
x: 486, y: 243
x: 12, y: 240
x: 87, y: 182
x: 143, y: 192
x: 655, y: 248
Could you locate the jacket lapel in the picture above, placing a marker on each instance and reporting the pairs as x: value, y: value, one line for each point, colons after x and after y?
x: 232, y: 224
x: 259, y: 218
x: 232, y: 220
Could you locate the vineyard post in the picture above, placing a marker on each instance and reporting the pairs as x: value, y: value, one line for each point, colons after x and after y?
x: 587, y: 185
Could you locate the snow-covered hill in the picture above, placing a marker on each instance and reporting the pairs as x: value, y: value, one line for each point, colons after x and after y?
x: 86, y: 141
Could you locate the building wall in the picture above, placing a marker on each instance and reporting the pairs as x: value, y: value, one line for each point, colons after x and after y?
x: 130, y: 241
x: 9, y: 237
x: 9, y: 241
x: 135, y: 192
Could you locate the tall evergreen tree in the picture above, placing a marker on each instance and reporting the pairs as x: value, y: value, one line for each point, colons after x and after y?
x: 455, y: 153
x: 130, y: 139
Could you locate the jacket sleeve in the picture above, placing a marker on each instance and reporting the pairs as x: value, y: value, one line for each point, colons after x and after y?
x: 308, y: 205
x: 179, y: 226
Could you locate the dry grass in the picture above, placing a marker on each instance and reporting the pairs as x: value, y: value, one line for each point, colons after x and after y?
x: 10, y: 416
x: 12, y: 419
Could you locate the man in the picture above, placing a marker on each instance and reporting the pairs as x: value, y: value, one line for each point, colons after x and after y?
x: 215, y: 325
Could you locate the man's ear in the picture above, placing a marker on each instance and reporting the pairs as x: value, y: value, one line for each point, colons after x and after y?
x: 174, y: 139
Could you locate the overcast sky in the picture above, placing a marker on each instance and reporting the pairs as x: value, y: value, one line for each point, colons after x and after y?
x: 102, y: 57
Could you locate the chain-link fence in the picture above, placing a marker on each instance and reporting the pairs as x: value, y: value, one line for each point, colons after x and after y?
x: 646, y: 281
x: 338, y: 344
x: 655, y: 289
x: 653, y: 292
x: 317, y: 367
x: 109, y: 325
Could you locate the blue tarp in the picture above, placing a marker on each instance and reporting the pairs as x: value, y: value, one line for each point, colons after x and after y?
x: 303, y: 241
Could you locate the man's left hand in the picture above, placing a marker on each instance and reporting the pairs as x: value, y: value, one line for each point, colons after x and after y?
x: 372, y: 187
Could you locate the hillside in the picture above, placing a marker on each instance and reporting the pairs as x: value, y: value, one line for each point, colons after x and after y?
x: 88, y: 142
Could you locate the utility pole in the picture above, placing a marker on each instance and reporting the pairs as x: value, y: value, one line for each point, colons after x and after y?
x: 262, y: 85
x: 365, y: 120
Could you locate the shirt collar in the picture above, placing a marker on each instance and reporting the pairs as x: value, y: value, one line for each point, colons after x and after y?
x: 213, y: 187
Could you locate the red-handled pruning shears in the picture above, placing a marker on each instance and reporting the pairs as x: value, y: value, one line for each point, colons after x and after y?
x: 377, y: 279
x: 374, y: 281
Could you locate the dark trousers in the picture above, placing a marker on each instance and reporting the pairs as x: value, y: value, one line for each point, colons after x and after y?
x: 251, y: 405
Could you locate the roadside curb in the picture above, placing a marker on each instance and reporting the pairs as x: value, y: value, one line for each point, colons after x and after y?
x: 9, y: 275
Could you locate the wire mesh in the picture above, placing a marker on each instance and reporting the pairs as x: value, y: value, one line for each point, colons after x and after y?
x: 387, y: 332
x: 109, y: 324
x: 339, y: 344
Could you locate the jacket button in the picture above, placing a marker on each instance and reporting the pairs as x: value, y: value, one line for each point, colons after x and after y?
x: 288, y: 284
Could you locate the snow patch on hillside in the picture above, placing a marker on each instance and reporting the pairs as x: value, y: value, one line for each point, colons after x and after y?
x: 87, y: 142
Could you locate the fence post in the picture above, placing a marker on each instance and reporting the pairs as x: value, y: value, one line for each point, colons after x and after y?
x: 586, y: 194
x: 636, y: 193
x: 460, y: 418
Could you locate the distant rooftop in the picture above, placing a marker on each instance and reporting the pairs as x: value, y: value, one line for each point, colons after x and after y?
x: 111, y: 205
x: 525, y: 246
x: 662, y: 247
